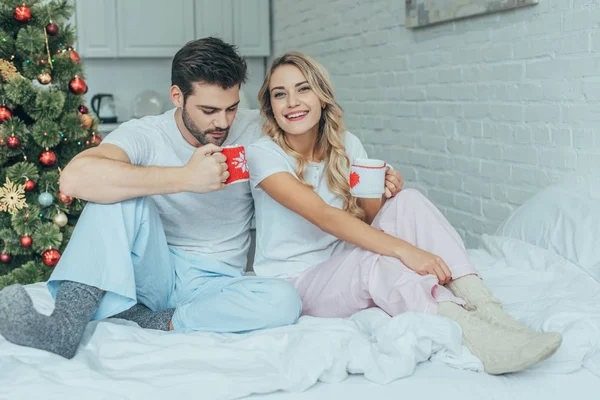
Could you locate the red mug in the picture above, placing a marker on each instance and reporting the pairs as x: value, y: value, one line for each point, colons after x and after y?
x: 237, y: 165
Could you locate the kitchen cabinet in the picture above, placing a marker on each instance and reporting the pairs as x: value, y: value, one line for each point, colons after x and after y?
x: 96, y: 28
x: 157, y: 28
x: 153, y: 28
x: 245, y: 23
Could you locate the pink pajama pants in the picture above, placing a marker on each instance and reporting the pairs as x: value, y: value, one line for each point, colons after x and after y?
x: 358, y: 279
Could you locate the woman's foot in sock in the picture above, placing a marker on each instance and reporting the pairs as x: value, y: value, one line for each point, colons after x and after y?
x: 501, y: 349
x: 479, y: 298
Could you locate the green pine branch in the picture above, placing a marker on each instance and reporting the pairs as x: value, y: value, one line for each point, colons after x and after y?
x: 30, y: 42
x: 28, y: 273
x: 14, y: 127
x: 22, y: 171
x: 55, y: 11
x: 48, y: 182
x: 46, y: 133
x: 7, y: 45
x: 26, y: 220
x: 71, y: 127
x: 19, y: 90
x: 68, y: 231
x: 12, y: 243
x: 46, y: 236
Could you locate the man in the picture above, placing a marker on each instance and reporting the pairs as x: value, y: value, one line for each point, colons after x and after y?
x: 162, y: 242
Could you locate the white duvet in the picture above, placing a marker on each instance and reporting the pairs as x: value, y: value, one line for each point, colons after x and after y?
x: 118, y: 360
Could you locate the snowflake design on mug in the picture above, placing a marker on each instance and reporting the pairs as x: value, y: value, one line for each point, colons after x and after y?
x: 241, y: 162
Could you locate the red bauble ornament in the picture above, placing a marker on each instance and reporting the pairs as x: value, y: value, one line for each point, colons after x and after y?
x: 5, y: 258
x: 5, y: 113
x: 26, y: 241
x: 50, y: 257
x: 83, y: 109
x: 29, y: 185
x: 52, y: 29
x: 66, y: 200
x: 78, y: 86
x: 73, y: 55
x: 96, y: 139
x: 13, y: 142
x: 48, y: 158
x: 22, y: 13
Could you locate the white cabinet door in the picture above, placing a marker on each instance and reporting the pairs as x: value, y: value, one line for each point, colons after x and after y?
x: 214, y: 18
x: 154, y: 28
x: 96, y: 28
x: 251, y: 27
x: 245, y: 23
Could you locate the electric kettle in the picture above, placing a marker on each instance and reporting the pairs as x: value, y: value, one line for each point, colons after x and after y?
x: 104, y: 106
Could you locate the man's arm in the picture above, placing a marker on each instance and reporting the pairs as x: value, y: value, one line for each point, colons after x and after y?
x: 105, y: 175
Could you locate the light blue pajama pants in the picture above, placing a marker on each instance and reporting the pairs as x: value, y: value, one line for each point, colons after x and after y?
x: 121, y: 248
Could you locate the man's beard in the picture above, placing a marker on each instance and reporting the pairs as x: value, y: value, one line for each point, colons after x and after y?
x: 203, y: 136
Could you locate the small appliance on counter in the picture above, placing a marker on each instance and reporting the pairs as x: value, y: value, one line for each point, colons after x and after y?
x: 147, y: 103
x: 104, y: 106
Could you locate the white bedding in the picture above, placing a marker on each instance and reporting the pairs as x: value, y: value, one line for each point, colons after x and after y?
x: 437, y: 382
x: 118, y: 360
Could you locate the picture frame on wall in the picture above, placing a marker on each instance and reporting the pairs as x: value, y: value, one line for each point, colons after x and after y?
x: 421, y: 13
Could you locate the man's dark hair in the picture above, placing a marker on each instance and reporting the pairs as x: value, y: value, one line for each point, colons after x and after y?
x: 209, y: 60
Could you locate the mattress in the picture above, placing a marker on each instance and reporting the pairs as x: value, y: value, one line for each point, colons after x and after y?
x: 437, y: 381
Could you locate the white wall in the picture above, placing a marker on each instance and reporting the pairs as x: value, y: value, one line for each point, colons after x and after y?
x: 126, y: 78
x: 479, y: 113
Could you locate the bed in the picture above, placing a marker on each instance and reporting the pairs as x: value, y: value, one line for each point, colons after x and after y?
x: 543, y: 263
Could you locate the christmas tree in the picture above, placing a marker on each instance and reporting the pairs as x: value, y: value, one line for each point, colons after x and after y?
x: 44, y: 122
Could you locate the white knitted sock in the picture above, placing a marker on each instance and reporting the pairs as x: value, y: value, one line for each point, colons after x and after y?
x: 501, y: 349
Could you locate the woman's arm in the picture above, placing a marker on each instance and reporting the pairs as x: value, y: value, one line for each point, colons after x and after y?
x: 292, y: 194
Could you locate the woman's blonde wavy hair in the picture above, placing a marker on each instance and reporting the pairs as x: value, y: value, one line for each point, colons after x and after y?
x: 330, y: 141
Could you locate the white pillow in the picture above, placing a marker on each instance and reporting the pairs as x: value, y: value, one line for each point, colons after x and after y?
x: 564, y: 218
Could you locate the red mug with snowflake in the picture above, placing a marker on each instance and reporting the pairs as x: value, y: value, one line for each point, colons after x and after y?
x: 367, y: 178
x: 237, y: 165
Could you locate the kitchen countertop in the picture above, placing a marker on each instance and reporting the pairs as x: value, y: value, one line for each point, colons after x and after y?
x: 105, y: 129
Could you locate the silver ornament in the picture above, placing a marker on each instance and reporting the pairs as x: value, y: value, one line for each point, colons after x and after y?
x: 60, y: 219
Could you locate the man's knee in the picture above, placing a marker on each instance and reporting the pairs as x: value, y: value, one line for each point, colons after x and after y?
x: 284, y: 301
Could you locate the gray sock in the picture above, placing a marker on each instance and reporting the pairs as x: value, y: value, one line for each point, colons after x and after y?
x: 146, y: 318
x: 59, y: 333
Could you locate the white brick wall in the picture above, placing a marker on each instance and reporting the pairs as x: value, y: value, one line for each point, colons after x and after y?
x: 478, y: 114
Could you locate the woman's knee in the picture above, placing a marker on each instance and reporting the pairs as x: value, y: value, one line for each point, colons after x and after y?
x: 410, y: 194
x: 409, y: 198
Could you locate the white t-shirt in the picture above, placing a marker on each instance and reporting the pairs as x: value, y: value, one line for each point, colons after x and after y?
x: 215, y: 224
x: 287, y: 243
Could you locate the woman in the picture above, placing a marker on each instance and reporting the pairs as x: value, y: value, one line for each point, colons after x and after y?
x: 344, y: 254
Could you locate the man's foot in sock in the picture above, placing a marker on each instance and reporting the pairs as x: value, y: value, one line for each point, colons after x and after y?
x: 146, y: 318
x: 20, y: 323
x: 59, y: 333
